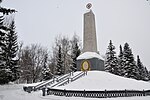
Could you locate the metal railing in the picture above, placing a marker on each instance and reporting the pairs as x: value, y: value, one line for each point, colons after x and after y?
x: 79, y: 76
x: 52, y: 81
x: 98, y: 94
x: 67, y: 80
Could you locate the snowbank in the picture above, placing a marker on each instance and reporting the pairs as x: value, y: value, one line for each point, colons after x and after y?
x: 88, y: 55
x: 100, y: 80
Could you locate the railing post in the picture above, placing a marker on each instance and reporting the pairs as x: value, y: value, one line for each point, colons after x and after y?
x: 47, y: 91
x: 64, y: 92
x: 84, y: 94
x: 105, y: 93
x: 43, y: 91
x: 143, y: 93
x: 125, y: 93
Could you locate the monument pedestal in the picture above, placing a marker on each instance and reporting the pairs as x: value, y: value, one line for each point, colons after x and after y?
x: 94, y: 64
x: 90, y: 61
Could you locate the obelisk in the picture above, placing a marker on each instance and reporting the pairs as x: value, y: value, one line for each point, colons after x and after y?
x: 89, y: 59
x: 89, y: 31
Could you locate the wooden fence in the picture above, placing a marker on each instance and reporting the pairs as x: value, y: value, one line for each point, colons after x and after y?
x: 97, y: 94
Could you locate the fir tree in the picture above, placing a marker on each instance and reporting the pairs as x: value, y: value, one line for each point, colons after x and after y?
x: 129, y: 65
x: 59, y: 67
x: 120, y: 61
x: 111, y: 62
x: 75, y: 53
x: 5, y: 71
x: 141, y: 69
x: 146, y: 74
x: 46, y: 70
x: 11, y: 52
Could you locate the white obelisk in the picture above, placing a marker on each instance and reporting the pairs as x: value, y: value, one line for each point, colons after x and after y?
x: 89, y: 36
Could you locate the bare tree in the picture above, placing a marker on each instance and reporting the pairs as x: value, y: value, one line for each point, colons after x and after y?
x: 31, y: 62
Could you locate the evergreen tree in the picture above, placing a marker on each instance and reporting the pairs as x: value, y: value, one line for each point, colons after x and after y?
x: 111, y: 62
x: 129, y: 65
x: 5, y: 71
x: 59, y: 66
x: 11, y: 52
x: 75, y: 51
x: 141, y: 69
x: 46, y: 70
x: 120, y: 61
x: 146, y: 74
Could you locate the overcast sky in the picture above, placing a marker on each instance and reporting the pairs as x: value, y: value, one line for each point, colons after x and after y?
x: 40, y: 21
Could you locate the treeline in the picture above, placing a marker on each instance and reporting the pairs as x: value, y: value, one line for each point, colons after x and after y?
x: 37, y: 63
x: 124, y: 64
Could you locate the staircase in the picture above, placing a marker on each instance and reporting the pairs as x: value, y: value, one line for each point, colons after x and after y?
x: 69, y: 79
x: 56, y: 81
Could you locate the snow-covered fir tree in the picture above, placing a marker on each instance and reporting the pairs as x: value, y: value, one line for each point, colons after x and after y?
x: 75, y: 52
x: 120, y: 61
x: 5, y: 71
x: 59, y: 66
x: 7, y: 59
x: 129, y: 64
x: 11, y: 52
x: 146, y: 74
x: 111, y: 62
x: 46, y: 73
x: 141, y: 69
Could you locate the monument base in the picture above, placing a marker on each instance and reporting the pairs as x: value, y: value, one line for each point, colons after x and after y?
x: 90, y: 64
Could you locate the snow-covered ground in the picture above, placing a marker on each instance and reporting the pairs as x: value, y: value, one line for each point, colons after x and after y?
x: 95, y: 80
x: 15, y: 92
x: 100, y: 80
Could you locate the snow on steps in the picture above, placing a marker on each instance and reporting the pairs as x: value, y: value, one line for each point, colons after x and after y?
x: 40, y: 85
x: 56, y: 81
x: 70, y: 79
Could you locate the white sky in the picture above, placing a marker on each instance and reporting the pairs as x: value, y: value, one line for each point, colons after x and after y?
x: 40, y: 21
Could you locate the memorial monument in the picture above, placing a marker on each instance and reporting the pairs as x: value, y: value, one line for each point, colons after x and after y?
x: 89, y: 31
x: 89, y: 59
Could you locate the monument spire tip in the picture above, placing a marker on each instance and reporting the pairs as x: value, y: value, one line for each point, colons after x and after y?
x: 88, y: 6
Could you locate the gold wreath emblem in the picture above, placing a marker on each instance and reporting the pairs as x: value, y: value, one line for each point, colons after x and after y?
x: 85, y: 66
